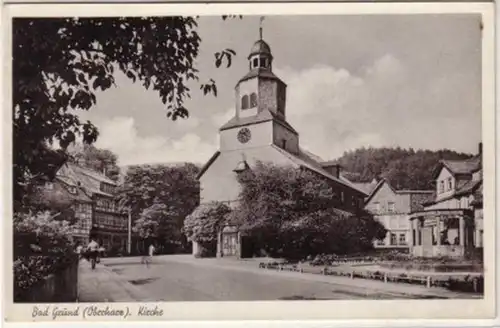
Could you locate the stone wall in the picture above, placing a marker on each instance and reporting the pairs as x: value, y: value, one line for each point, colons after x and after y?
x: 60, y: 287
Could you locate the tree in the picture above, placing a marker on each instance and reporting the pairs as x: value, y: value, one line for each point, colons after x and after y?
x: 295, y: 213
x: 403, y: 168
x: 59, y: 64
x: 161, y: 194
x: 203, y: 225
x: 101, y: 160
x: 157, y: 222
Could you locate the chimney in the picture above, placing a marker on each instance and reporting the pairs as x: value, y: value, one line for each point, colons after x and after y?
x: 332, y: 168
x: 480, y: 148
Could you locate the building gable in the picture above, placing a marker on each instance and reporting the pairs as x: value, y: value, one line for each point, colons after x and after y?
x: 381, y: 197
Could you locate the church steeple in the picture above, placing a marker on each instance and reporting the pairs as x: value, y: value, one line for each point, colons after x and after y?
x: 260, y: 101
x: 260, y: 90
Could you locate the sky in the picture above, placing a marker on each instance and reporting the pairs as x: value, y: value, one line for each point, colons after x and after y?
x: 353, y: 81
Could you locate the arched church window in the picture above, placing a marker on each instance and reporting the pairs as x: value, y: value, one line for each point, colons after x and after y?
x: 263, y: 62
x: 256, y: 62
x: 244, y: 102
x: 253, y: 100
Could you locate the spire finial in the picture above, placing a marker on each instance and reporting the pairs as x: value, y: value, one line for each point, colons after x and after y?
x: 260, y: 26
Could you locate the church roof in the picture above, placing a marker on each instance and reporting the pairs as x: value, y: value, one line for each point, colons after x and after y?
x: 260, y: 47
x: 263, y: 116
x: 312, y: 165
x: 261, y: 73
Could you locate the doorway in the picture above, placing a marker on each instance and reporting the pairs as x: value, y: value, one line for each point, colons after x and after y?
x: 229, y: 243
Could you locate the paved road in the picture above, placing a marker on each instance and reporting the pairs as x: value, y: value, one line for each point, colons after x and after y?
x: 172, y: 280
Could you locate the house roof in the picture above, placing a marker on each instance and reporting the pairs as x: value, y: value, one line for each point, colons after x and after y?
x: 478, y: 195
x: 79, y: 195
x: 93, y: 174
x: 76, y: 175
x: 403, y: 191
x: 367, y: 187
x: 61, y: 193
x: 469, y: 187
x: 459, y: 167
x: 264, y: 115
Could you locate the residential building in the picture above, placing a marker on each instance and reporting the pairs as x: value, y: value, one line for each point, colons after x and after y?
x: 452, y: 223
x: 391, y: 208
x: 259, y: 131
x: 109, y: 223
x: 63, y: 194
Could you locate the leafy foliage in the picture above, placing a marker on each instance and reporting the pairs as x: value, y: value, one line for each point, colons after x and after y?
x: 100, y: 160
x: 60, y: 63
x: 203, y: 225
x: 292, y: 213
x: 57, y: 202
x: 160, y: 197
x: 403, y: 168
x: 157, y: 222
x: 42, y: 245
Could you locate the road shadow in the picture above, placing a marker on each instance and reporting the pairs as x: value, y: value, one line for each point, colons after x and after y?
x: 143, y: 281
x: 304, y: 298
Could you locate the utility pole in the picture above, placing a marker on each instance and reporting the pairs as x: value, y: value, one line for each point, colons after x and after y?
x: 129, y: 240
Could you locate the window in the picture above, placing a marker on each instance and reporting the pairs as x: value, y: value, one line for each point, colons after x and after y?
x: 244, y: 102
x: 342, y: 197
x: 361, y: 202
x: 72, y: 190
x: 414, y: 235
x: 283, y: 144
x: 450, y: 184
x: 263, y: 62
x: 393, y: 239
x: 380, y: 242
x: 255, y: 62
x: 390, y: 207
x: 253, y: 100
x: 402, y: 239
x: 441, y: 187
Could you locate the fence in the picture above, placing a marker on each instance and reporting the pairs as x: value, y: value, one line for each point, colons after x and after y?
x: 59, y: 287
x: 474, y: 283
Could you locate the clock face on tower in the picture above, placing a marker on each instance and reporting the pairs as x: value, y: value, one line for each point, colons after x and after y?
x: 244, y: 135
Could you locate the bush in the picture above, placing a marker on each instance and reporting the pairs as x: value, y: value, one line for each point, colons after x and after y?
x: 42, y: 246
x: 467, y: 284
x: 203, y: 225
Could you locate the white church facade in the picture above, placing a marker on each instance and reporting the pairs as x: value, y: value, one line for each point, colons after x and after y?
x: 259, y: 131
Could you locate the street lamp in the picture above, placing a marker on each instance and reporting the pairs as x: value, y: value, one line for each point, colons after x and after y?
x: 129, y: 239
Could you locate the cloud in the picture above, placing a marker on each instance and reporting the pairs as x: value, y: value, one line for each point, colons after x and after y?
x: 220, y: 118
x: 335, y: 110
x: 120, y: 135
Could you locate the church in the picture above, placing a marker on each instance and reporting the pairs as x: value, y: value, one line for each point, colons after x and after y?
x: 259, y: 131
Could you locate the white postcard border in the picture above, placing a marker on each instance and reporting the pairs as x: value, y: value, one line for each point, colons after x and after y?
x: 275, y: 310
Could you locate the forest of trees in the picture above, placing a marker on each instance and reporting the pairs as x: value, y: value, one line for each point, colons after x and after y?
x: 403, y: 168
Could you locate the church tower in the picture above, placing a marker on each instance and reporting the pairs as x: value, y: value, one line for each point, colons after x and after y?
x: 260, y: 107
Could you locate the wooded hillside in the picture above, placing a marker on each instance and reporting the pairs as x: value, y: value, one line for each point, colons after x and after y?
x: 403, y: 168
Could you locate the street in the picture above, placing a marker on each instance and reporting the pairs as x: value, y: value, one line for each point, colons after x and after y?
x: 182, y: 278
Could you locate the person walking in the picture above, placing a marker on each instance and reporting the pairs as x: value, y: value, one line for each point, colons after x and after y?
x: 151, y: 251
x: 93, y: 249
